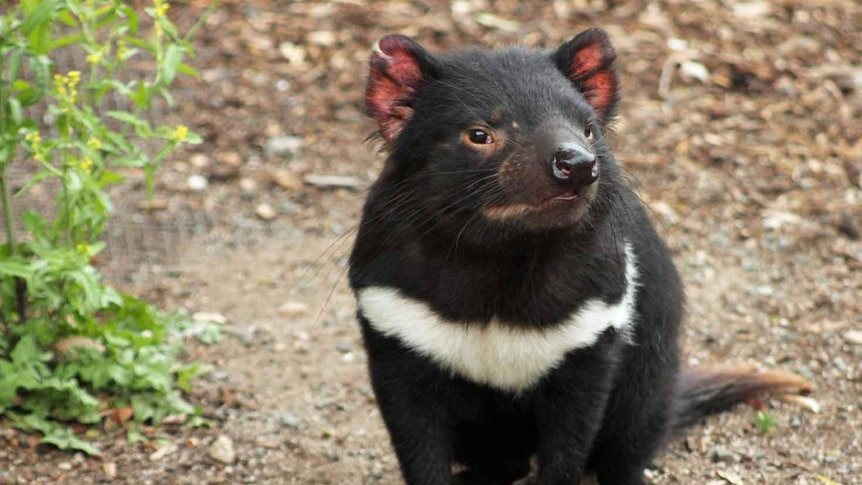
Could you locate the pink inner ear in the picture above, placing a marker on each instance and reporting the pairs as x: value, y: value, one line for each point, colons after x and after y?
x: 587, y: 60
x: 590, y: 69
x: 392, y: 82
x: 599, y: 91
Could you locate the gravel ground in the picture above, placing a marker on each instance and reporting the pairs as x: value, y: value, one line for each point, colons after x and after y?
x: 740, y: 128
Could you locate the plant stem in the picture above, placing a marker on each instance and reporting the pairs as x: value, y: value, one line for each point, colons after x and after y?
x: 20, y: 284
x: 7, y: 213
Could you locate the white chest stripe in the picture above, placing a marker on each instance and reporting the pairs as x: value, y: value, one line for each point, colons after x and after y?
x: 506, y: 357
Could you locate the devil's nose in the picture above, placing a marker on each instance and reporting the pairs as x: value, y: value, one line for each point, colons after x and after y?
x: 574, y: 166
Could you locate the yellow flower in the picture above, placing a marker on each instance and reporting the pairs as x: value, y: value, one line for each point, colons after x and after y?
x: 84, y: 248
x: 34, y: 138
x: 180, y: 132
x: 65, y: 85
x: 95, y: 57
x: 161, y: 8
x: 73, y: 78
x: 94, y: 143
x: 87, y: 164
x: 122, y: 50
x: 60, y: 85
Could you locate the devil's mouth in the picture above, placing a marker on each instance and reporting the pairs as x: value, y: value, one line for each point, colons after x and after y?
x: 519, y: 209
x: 568, y: 195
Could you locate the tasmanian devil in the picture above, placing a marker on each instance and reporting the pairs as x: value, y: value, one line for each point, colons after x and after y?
x: 514, y: 298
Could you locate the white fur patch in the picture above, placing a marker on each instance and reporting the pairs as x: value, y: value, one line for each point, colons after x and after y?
x: 502, y: 356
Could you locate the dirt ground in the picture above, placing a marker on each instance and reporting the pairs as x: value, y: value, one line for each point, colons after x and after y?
x: 740, y: 127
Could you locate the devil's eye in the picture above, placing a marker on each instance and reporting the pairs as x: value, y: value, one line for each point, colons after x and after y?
x: 479, y: 137
x: 588, y: 133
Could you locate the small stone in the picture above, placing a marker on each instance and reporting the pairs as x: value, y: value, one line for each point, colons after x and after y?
x: 853, y: 337
x: 65, y: 466
x: 246, y: 335
x: 719, y: 454
x: 282, y: 145
x: 848, y: 226
x: 750, y: 10
x: 222, y: 450
x: 232, y: 159
x: 163, y: 452
x: 286, y: 180
x: 248, y: 185
x: 301, y: 347
x: 265, y: 211
x: 267, y: 443
x: 376, y: 471
x: 292, y: 308
x: 730, y: 477
x: 344, y: 347
x: 677, y: 45
x: 199, y: 160
x: 325, y: 38
x: 197, y: 182
x: 694, y: 70
x: 209, y: 317
x: 290, y: 420
x: 110, y: 469
x: 294, y: 53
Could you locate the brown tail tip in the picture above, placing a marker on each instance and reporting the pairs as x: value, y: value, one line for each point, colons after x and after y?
x: 702, y: 392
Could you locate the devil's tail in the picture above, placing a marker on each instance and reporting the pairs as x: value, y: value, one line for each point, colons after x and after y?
x: 701, y: 392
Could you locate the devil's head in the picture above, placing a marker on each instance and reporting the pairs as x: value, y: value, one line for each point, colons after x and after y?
x: 498, y: 142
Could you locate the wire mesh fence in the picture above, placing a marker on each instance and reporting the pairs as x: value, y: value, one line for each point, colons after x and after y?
x: 137, y: 239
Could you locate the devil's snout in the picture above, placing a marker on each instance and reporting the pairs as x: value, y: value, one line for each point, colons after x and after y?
x: 573, y: 166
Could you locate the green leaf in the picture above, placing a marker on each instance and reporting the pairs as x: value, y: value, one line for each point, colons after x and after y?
x: 14, y: 64
x: 15, y: 111
x: 66, y: 439
x: 67, y: 19
x: 41, y: 68
x: 14, y: 268
x: 33, y: 222
x: 66, y: 40
x: 39, y: 16
x: 127, y: 117
x: 40, y: 39
x: 35, y: 179
x: 132, y: 20
x: 25, y: 351
x: 171, y: 62
x: 137, y: 42
x: 167, y: 95
x: 188, y: 373
x: 188, y: 70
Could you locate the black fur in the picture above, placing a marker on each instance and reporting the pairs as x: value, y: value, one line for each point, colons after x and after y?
x: 606, y: 408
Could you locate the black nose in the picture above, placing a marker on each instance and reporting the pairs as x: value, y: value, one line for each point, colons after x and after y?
x: 574, y: 166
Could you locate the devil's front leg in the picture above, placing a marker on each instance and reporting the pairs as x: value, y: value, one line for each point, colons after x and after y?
x: 570, y: 404
x: 411, y: 394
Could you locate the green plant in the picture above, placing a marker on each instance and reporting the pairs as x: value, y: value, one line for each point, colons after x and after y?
x: 72, y: 349
x: 765, y: 422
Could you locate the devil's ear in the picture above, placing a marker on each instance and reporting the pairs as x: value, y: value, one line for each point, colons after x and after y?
x: 398, y: 67
x: 588, y: 62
